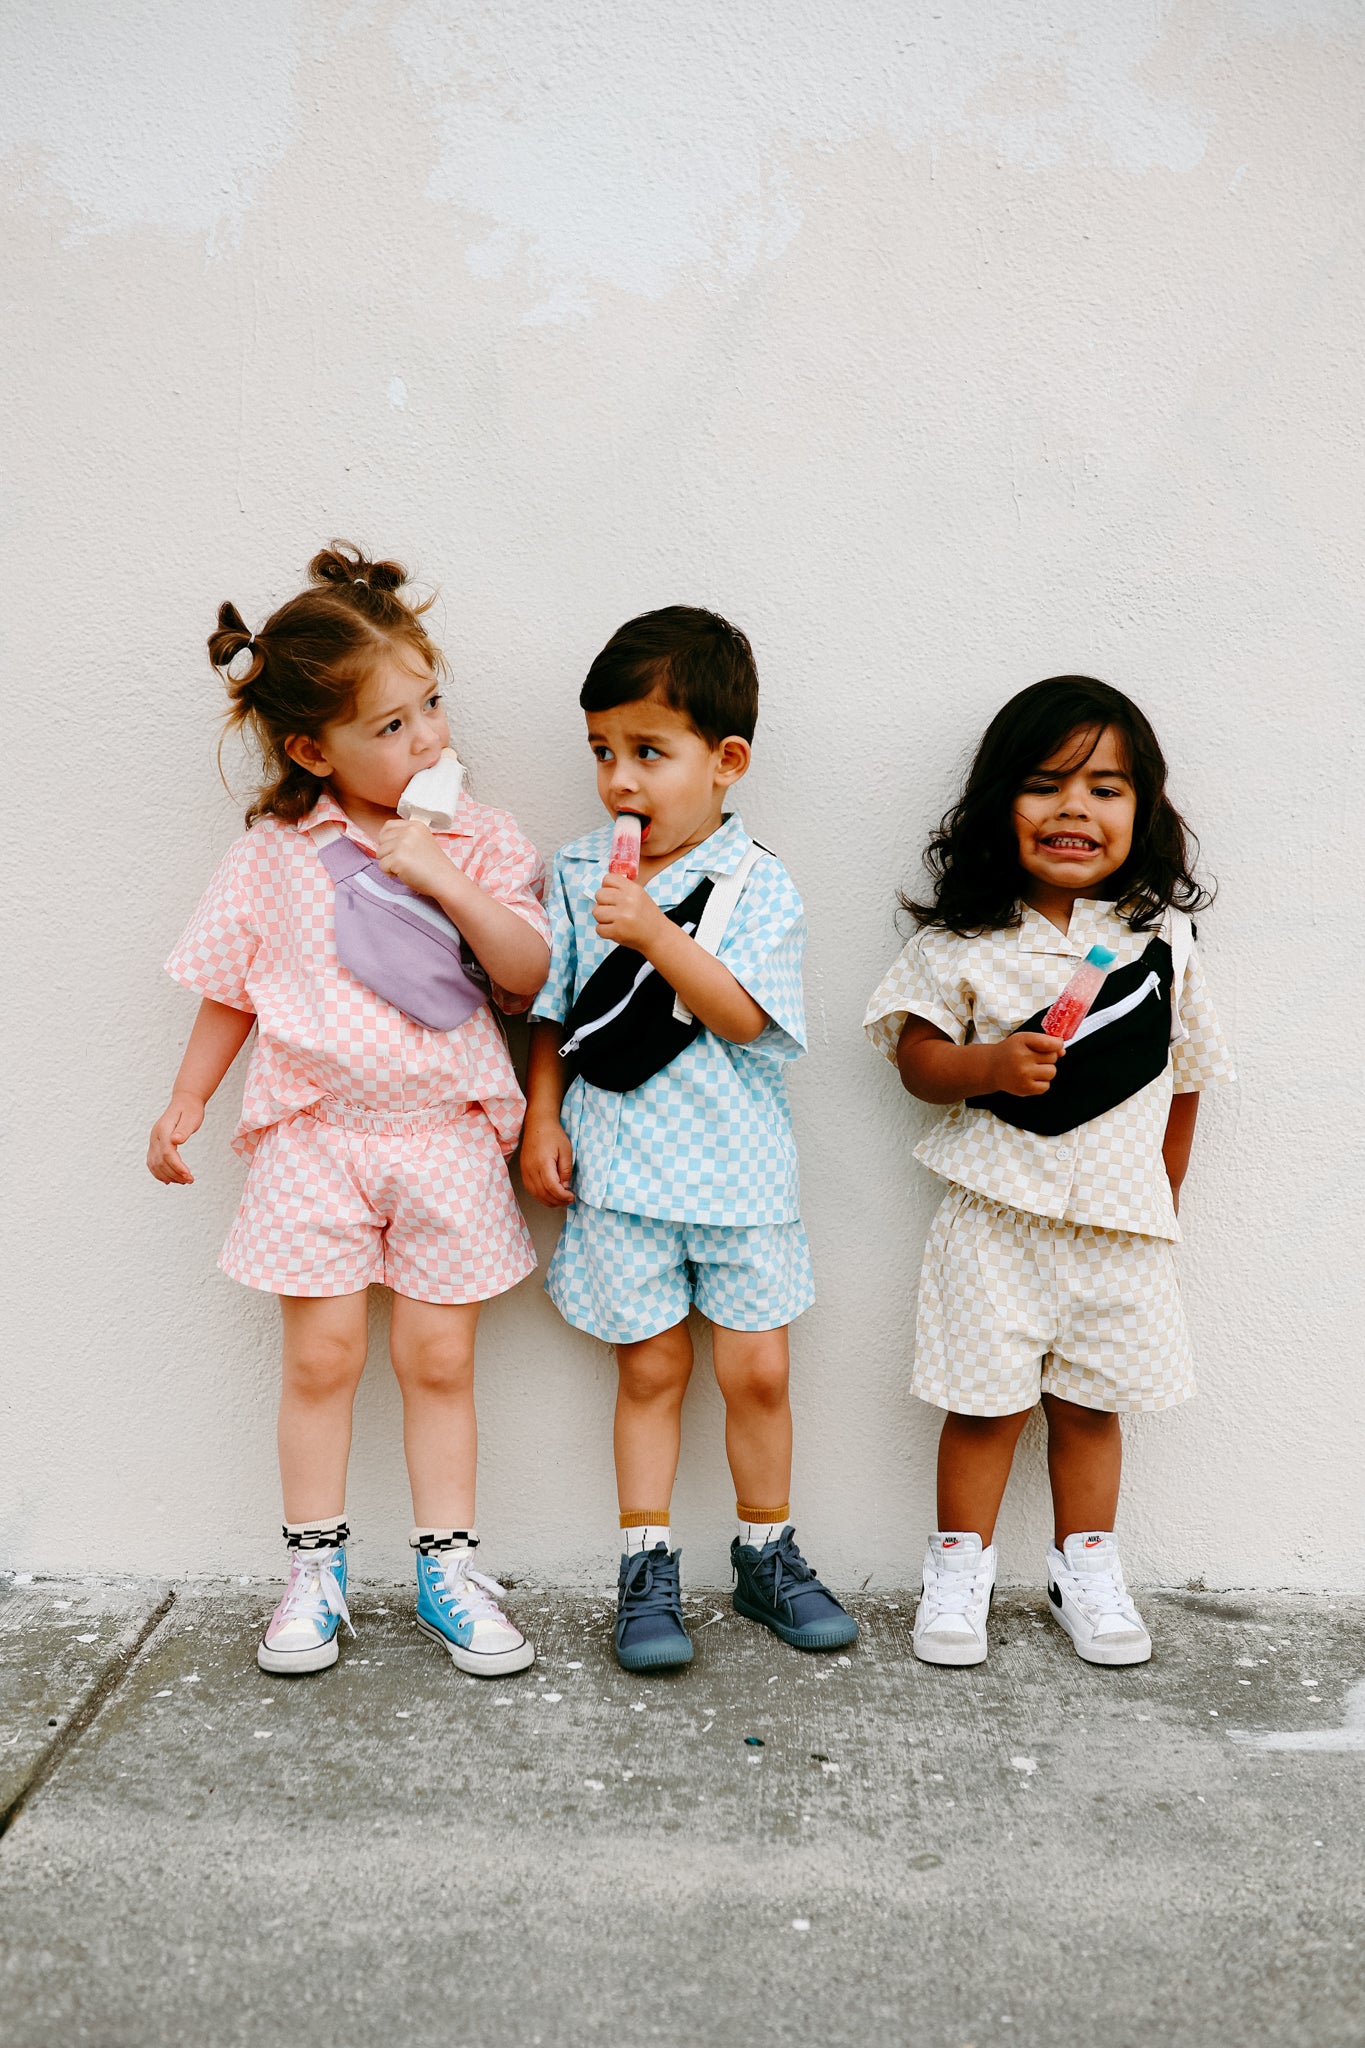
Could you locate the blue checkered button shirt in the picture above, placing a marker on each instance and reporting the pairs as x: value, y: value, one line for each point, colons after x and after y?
x: 708, y: 1139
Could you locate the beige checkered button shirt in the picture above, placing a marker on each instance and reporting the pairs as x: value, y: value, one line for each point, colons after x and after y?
x: 1109, y: 1172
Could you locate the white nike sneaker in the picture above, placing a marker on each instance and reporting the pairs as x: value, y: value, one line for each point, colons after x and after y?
x: 959, y: 1580
x: 1088, y: 1597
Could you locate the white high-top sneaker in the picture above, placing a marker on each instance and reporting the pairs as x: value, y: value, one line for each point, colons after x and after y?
x: 1088, y: 1597
x: 959, y: 1580
x: 301, y: 1635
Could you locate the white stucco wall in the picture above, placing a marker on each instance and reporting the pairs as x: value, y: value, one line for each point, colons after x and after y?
x: 942, y: 347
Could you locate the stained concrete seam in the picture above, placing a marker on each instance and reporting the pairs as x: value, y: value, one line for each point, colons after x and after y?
x: 115, y: 1673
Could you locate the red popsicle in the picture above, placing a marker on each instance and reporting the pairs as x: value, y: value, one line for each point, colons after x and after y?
x: 1072, y: 1006
x: 625, y: 846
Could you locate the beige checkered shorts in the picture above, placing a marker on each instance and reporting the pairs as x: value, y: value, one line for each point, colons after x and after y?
x: 1012, y: 1306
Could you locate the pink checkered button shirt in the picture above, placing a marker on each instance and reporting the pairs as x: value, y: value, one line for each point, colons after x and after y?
x: 261, y: 940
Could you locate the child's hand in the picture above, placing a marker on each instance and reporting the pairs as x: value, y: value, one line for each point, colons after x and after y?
x: 547, y: 1164
x: 406, y: 849
x: 1025, y: 1063
x: 625, y: 913
x: 169, y: 1132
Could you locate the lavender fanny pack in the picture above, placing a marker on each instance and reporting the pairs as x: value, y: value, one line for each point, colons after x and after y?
x: 399, y: 943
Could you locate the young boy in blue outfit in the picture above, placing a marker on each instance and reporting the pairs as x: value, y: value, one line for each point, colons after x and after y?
x: 680, y: 1186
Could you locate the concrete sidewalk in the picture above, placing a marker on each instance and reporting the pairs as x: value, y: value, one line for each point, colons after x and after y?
x: 770, y: 1848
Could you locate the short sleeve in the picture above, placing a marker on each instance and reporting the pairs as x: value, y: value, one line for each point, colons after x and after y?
x: 1201, y: 1058
x: 764, y: 947
x: 921, y: 983
x: 555, y: 999
x: 214, y: 953
x: 508, y: 868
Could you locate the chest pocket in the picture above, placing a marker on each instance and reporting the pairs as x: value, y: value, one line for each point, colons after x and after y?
x: 1121, y: 1048
x: 399, y: 943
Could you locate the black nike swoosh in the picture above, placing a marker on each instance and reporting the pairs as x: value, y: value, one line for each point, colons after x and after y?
x: 1054, y: 1593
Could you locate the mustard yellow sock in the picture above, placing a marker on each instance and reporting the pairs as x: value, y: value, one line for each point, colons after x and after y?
x: 759, y: 1525
x: 644, y: 1528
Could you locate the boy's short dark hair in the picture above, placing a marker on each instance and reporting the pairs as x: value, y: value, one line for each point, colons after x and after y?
x: 701, y: 664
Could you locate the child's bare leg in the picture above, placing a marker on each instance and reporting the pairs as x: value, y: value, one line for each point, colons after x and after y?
x: 1084, y: 1462
x: 432, y: 1348
x: 975, y: 1453
x: 651, y: 1380
x: 752, y: 1371
x: 324, y: 1356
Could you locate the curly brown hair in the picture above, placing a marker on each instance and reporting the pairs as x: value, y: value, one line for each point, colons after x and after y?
x: 309, y: 661
x: 972, y: 859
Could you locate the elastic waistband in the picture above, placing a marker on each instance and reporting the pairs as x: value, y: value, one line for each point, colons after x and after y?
x: 388, y: 1123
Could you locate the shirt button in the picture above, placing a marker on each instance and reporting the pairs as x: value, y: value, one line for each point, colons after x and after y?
x: 1063, y: 1151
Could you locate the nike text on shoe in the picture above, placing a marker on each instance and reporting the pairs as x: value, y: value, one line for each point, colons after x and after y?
x: 301, y: 1635
x: 1087, y: 1596
x: 456, y: 1608
x: 650, y: 1635
x: 959, y: 1585
x: 774, y: 1585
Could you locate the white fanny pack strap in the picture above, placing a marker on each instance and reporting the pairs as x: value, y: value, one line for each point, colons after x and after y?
x: 323, y: 835
x: 720, y: 908
x: 1180, y: 939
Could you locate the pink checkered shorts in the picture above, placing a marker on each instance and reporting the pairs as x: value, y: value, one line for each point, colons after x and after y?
x: 338, y: 1198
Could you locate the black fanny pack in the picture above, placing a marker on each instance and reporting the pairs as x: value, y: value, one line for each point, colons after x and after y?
x: 1120, y: 1048
x: 622, y: 1027
x: 627, y: 1023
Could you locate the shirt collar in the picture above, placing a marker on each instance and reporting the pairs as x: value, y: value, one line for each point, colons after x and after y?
x: 721, y: 854
x: 327, y: 811
x: 1038, y: 934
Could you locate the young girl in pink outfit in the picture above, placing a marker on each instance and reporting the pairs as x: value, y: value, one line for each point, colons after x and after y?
x: 377, y: 1144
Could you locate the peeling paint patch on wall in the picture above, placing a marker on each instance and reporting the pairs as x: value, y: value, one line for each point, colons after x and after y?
x: 609, y: 146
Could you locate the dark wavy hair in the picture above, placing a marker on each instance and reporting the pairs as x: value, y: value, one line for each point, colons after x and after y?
x: 973, y: 858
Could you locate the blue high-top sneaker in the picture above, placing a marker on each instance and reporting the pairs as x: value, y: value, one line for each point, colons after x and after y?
x: 776, y: 1586
x: 456, y: 1609
x: 301, y: 1635
x: 649, y: 1620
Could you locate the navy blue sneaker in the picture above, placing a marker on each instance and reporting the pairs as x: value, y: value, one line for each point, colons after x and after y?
x: 776, y: 1586
x: 649, y: 1622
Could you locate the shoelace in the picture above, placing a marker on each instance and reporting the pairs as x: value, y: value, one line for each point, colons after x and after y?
x: 951, y: 1592
x: 651, y: 1586
x: 313, y: 1592
x: 460, y: 1586
x: 788, y: 1568
x: 1101, y: 1593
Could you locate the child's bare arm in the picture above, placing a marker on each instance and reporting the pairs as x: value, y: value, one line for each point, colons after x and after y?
x: 629, y: 916
x: 218, y: 1036
x: 506, y: 947
x: 934, y: 1069
x: 546, y: 1154
x: 1178, y: 1142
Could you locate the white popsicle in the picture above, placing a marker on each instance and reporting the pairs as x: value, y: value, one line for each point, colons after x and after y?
x: 433, y: 796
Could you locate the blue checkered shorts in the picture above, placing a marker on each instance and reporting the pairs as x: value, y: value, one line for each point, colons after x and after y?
x: 624, y: 1278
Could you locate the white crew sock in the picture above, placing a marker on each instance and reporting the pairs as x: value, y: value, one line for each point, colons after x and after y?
x: 644, y: 1537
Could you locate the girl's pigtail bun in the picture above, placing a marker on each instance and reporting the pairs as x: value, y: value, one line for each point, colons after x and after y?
x: 231, y: 639
x: 344, y: 564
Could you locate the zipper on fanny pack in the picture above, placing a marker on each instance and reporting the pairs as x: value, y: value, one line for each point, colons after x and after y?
x: 571, y: 1045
